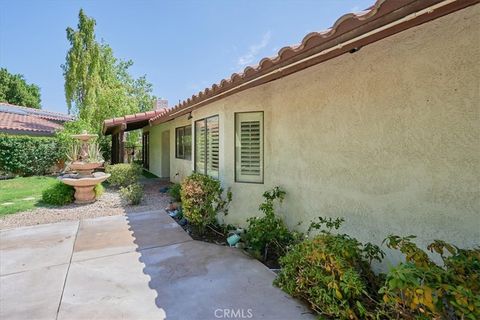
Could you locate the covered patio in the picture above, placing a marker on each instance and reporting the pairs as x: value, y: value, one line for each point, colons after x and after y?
x: 117, y: 127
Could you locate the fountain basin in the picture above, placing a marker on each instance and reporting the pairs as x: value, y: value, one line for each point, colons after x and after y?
x: 84, y: 168
x: 84, y: 185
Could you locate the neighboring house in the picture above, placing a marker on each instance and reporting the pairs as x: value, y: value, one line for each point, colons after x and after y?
x: 20, y: 120
x: 376, y: 120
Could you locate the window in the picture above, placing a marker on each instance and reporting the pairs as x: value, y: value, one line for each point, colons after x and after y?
x: 183, y: 142
x: 249, y: 147
x: 207, y: 146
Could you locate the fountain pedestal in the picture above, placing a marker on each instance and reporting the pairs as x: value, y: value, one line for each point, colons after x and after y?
x: 84, y: 194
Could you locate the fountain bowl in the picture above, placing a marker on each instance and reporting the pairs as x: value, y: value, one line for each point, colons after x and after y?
x: 84, y: 185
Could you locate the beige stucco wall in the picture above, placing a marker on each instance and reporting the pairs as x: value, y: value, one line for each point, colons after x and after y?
x: 179, y: 168
x: 388, y: 137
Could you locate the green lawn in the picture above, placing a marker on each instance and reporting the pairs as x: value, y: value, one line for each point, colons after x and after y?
x: 19, y: 191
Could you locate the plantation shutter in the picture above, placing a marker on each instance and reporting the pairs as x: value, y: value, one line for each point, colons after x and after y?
x: 249, y: 147
x: 200, y: 146
x: 212, y: 147
x: 207, y: 146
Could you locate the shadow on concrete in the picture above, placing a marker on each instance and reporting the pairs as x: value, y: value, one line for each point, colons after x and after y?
x: 199, y: 280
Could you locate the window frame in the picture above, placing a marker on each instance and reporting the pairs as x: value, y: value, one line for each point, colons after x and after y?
x: 182, y: 142
x: 205, y: 168
x: 236, y: 178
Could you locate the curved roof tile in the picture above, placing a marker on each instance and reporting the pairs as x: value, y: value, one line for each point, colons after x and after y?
x: 312, y: 43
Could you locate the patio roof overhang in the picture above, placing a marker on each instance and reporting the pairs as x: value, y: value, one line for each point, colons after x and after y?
x: 130, y: 122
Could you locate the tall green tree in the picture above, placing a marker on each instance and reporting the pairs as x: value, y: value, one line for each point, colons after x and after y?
x: 98, y: 85
x: 15, y: 90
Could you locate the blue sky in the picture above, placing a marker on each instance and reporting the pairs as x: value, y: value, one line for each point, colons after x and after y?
x: 182, y: 46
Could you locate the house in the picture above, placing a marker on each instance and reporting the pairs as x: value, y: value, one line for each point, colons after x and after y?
x: 376, y: 120
x: 19, y: 120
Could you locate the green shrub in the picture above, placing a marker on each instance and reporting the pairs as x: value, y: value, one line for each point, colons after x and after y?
x: 132, y: 193
x: 59, y: 194
x: 202, y: 199
x: 26, y: 156
x: 174, y: 192
x: 123, y: 174
x: 99, y: 190
x: 268, y: 236
x: 420, y: 289
x: 332, y: 274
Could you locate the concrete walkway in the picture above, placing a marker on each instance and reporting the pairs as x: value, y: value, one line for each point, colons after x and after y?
x: 140, y: 266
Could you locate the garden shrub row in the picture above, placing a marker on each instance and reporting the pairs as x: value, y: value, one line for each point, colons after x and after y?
x: 332, y: 271
x: 26, y: 155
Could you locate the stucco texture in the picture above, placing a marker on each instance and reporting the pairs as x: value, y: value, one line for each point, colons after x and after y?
x: 387, y: 138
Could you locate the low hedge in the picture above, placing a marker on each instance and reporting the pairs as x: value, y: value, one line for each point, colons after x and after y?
x: 123, y: 174
x: 26, y: 155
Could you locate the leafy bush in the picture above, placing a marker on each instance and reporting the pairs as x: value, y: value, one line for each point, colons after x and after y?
x: 123, y: 174
x: 132, y: 193
x: 421, y: 289
x: 174, y: 192
x: 331, y: 272
x: 26, y: 156
x: 268, y: 236
x: 202, y: 199
x: 59, y: 194
x: 99, y: 190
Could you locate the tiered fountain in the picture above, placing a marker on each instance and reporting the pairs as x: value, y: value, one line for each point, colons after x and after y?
x: 84, y: 160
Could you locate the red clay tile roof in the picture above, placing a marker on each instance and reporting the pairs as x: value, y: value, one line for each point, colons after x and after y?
x: 349, y: 33
x: 24, y: 123
x: 22, y: 120
x: 49, y: 115
x: 131, y: 118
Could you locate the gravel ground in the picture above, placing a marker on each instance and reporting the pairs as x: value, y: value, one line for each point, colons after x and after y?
x: 109, y: 204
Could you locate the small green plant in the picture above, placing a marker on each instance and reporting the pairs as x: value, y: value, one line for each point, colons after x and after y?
x: 331, y: 272
x: 123, y: 174
x: 59, y: 194
x: 420, y: 289
x: 268, y: 236
x: 94, y: 153
x: 132, y: 193
x: 73, y: 152
x: 174, y: 192
x: 99, y: 190
x: 202, y: 198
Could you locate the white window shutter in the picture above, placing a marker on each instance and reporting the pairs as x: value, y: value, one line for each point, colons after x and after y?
x: 200, y: 154
x: 249, y: 147
x: 213, y: 147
